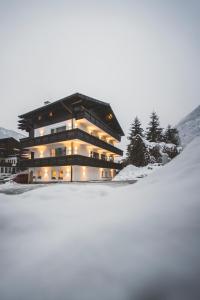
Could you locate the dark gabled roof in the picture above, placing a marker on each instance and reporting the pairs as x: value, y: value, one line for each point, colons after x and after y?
x: 70, y: 101
x: 9, y: 140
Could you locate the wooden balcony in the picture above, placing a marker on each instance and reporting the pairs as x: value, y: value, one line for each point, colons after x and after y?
x: 91, y: 117
x: 69, y: 135
x: 69, y: 160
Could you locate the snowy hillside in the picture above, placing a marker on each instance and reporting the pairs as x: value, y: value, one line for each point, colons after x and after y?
x: 132, y: 172
x: 189, y: 127
x: 5, y: 133
x: 98, y: 241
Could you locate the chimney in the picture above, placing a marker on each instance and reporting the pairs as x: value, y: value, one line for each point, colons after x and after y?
x: 47, y: 102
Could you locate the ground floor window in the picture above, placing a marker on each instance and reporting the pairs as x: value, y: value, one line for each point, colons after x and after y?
x: 60, y: 175
x: 39, y: 174
x: 53, y: 174
x: 106, y: 174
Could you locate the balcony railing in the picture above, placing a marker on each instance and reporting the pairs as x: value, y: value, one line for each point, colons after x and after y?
x: 96, y: 121
x: 69, y: 135
x: 68, y: 160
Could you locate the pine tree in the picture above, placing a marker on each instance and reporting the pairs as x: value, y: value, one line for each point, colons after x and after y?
x: 137, y: 152
x: 154, y: 132
x: 171, y: 135
x: 136, y: 128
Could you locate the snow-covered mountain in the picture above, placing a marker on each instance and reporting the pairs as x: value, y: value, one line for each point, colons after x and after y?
x: 189, y: 127
x: 5, y: 133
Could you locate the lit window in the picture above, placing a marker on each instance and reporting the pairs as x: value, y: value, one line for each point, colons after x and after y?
x: 60, y: 175
x: 109, y: 116
x: 53, y: 174
x: 52, y: 152
x: 50, y: 114
x: 39, y: 118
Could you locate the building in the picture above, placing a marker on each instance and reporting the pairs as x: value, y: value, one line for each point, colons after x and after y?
x: 9, y: 154
x: 72, y: 139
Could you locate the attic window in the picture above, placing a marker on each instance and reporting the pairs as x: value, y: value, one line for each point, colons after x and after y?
x: 109, y: 117
x: 50, y: 114
x: 39, y: 118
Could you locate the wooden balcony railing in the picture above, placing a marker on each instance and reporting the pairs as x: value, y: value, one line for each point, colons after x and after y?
x: 68, y: 160
x: 69, y: 135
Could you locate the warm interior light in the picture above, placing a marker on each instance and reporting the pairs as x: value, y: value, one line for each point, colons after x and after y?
x: 45, y: 173
x: 75, y: 149
x: 109, y: 116
x: 41, y: 131
x: 83, y: 171
x: 50, y: 114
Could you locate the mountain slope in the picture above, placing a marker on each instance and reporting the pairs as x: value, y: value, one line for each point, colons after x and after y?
x: 189, y: 127
x: 5, y: 133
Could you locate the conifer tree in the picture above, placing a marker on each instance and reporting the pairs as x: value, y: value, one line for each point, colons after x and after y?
x: 136, y: 128
x: 171, y: 135
x: 137, y: 152
x: 154, y: 132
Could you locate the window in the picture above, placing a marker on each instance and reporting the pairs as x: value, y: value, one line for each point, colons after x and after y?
x: 1, y: 170
x: 60, y: 175
x: 59, y: 129
x: 53, y: 174
x: 52, y: 152
x: 60, y: 151
x: 103, y: 156
x: 39, y: 174
x: 106, y: 174
x: 111, y: 158
x: 94, y: 154
x: 5, y: 170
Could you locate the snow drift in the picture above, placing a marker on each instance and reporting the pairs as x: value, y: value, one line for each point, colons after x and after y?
x: 94, y: 242
x: 132, y: 172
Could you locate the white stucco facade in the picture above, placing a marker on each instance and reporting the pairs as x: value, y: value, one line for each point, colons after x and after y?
x: 70, y: 173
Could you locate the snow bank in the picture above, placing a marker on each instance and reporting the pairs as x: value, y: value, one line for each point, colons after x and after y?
x: 189, y: 127
x: 132, y: 172
x: 94, y: 242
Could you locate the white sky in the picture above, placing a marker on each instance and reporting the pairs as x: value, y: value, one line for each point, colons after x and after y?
x: 136, y: 55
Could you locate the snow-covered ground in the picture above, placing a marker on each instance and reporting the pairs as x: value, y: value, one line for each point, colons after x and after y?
x: 189, y: 127
x: 104, y: 242
x: 132, y: 172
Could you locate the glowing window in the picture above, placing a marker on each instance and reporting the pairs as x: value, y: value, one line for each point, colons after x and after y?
x: 60, y: 174
x: 53, y: 174
x: 109, y: 116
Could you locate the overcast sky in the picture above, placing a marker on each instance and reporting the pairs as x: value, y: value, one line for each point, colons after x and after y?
x: 137, y: 55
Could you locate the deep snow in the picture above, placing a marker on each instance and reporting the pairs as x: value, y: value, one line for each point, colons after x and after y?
x: 189, y: 127
x: 98, y: 242
x: 132, y: 172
